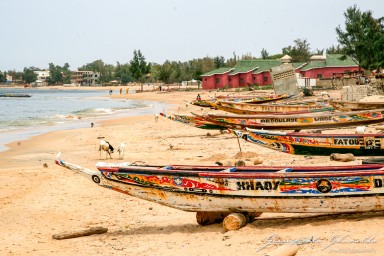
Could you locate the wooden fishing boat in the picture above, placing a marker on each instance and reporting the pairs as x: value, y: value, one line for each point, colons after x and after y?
x: 356, y: 105
x: 296, y: 122
x: 254, y: 99
x: 255, y: 109
x: 245, y: 169
x: 316, y: 144
x: 17, y: 95
x: 194, y: 121
x: 250, y: 193
x: 203, y: 103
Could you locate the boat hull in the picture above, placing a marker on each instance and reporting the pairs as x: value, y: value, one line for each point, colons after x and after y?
x: 316, y: 144
x: 353, y: 193
x: 356, y: 105
x: 231, y: 190
x: 296, y: 122
x: 255, y: 109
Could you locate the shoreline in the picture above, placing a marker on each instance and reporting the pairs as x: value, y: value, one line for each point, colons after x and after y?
x: 25, y: 133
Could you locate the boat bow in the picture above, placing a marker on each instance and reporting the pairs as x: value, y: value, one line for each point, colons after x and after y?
x: 92, y: 175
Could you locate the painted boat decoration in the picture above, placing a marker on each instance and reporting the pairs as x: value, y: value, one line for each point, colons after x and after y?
x: 194, y: 121
x: 296, y: 122
x: 233, y: 190
x: 255, y: 109
x: 356, y: 105
x: 315, y: 144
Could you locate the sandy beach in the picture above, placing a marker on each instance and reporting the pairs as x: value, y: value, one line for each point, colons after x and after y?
x: 39, y: 199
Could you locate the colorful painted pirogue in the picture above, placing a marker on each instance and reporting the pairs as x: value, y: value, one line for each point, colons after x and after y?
x: 235, y: 190
x: 255, y: 109
x: 194, y: 121
x: 356, y: 105
x: 203, y: 103
x: 296, y: 122
x: 17, y: 95
x: 254, y: 99
x: 316, y: 144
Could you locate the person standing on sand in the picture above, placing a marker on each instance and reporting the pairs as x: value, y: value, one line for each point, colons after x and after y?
x: 110, y: 92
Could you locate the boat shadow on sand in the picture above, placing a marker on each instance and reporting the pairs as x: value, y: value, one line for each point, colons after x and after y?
x: 278, y: 221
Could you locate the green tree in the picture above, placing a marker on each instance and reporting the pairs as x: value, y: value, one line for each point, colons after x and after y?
x: 106, y: 71
x: 219, y: 61
x: 29, y: 75
x: 123, y: 73
x: 66, y: 73
x: 165, y: 72
x: 264, y: 54
x: 55, y: 74
x: 231, y: 62
x: 138, y: 66
x: 362, y: 38
x: 16, y: 75
x: 334, y: 50
x: 300, y: 52
x: 3, y: 77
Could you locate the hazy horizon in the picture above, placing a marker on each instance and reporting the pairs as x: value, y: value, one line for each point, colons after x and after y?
x: 78, y: 32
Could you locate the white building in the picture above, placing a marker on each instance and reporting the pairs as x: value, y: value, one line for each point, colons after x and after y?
x: 42, y: 75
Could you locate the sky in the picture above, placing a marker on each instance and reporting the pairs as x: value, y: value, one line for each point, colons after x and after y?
x: 38, y: 32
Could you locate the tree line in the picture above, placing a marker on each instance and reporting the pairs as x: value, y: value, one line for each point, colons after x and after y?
x: 362, y: 39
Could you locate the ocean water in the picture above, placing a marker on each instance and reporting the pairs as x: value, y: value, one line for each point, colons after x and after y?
x: 52, y: 109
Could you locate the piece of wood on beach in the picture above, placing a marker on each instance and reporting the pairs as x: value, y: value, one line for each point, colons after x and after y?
x: 284, y: 250
x: 342, y: 157
x: 86, y: 232
x: 251, y: 216
x: 234, y: 221
x: 207, y: 218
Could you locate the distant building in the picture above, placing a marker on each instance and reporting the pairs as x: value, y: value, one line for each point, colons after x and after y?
x: 85, y: 78
x: 8, y: 79
x: 42, y: 75
x: 257, y: 72
x: 321, y: 66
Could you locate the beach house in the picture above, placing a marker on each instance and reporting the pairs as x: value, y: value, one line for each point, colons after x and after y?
x: 257, y: 71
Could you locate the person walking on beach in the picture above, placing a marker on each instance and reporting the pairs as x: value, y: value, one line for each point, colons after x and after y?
x: 110, y: 92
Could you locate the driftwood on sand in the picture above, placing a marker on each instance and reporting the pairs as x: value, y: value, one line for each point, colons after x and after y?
x: 87, y: 232
x: 284, y: 250
x: 342, y: 157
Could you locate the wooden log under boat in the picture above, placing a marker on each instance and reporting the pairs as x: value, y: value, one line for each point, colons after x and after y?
x: 207, y: 218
